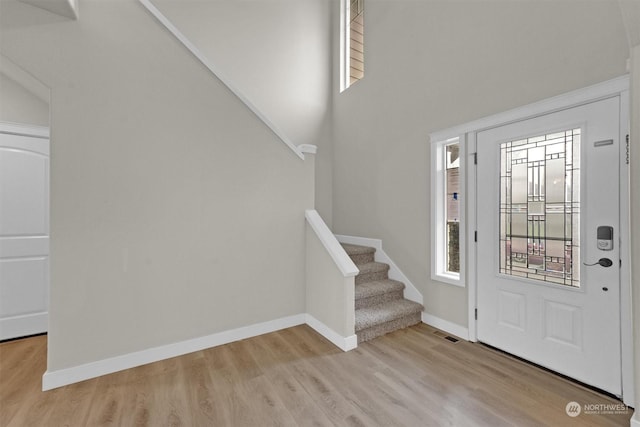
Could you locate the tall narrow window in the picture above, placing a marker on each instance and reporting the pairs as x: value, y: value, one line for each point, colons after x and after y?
x: 352, y: 46
x: 452, y: 206
x: 447, y: 211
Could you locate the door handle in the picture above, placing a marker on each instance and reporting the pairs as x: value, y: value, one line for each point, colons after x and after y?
x: 604, y: 262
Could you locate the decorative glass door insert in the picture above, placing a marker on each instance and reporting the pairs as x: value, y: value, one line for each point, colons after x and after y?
x: 540, y: 208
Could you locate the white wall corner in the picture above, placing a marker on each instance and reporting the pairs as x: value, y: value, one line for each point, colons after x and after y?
x: 445, y: 325
x: 62, y: 377
x: 410, y: 291
x: 308, y: 148
x: 343, y: 343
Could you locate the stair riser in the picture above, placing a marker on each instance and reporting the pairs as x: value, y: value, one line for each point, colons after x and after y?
x: 378, y: 299
x: 362, y: 258
x: 370, y: 277
x: 385, y: 328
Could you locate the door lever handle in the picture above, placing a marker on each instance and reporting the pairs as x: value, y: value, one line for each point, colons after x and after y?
x: 604, y: 262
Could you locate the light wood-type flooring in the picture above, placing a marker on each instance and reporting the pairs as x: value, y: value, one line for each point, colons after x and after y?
x: 294, y: 377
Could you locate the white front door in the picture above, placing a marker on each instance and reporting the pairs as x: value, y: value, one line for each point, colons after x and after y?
x: 24, y: 235
x: 548, y: 198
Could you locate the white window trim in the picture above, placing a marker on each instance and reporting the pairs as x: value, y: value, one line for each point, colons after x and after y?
x: 345, y: 44
x: 438, y: 212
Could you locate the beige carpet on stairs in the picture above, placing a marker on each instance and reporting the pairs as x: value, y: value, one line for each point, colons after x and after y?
x: 379, y: 301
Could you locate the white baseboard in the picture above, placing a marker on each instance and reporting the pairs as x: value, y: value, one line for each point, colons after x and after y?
x: 62, y: 377
x: 410, y: 291
x: 344, y: 343
x: 445, y: 325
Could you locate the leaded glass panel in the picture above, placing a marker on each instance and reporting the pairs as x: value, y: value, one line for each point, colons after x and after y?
x: 540, y: 208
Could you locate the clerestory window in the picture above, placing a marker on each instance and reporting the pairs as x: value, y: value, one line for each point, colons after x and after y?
x: 352, y: 42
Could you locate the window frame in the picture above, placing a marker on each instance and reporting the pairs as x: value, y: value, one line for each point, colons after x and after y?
x: 439, y: 243
x: 345, y: 45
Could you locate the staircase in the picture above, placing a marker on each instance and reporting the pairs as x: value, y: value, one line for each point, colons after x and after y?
x: 380, y: 304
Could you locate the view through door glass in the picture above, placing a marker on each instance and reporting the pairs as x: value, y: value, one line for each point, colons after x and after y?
x: 540, y: 208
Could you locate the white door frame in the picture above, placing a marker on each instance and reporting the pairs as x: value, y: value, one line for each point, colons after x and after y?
x: 33, y: 131
x: 467, y: 134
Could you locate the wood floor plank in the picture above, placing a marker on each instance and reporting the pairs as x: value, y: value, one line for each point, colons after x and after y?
x: 368, y: 394
x: 19, y: 359
x: 200, y: 391
x: 299, y: 403
x: 295, y: 377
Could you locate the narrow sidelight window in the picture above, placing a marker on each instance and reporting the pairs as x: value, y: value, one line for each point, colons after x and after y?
x: 447, y: 211
x: 352, y: 42
x: 452, y: 206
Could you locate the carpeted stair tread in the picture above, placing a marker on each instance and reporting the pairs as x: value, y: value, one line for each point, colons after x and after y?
x: 378, y: 287
x: 373, y: 267
x: 360, y: 254
x: 357, y: 249
x: 376, y: 292
x: 372, y: 271
x: 383, y: 313
x: 387, y: 327
x: 380, y: 306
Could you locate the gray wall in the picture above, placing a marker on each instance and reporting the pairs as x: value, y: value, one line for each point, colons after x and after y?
x: 175, y: 212
x: 439, y: 63
x: 19, y: 105
x: 275, y: 52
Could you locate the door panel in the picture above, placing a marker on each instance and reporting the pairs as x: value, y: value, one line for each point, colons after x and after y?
x: 24, y: 235
x: 545, y: 185
x: 22, y: 291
